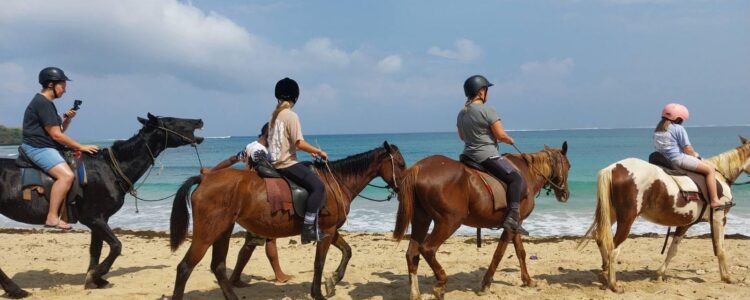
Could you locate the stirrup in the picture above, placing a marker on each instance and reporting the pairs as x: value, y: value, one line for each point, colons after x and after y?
x: 726, y: 206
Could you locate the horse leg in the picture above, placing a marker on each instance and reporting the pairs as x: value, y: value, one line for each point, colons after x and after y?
x: 193, y: 256
x: 218, y: 264
x: 719, y: 221
x: 321, y: 251
x: 94, y: 278
x: 428, y: 249
x: 346, y: 254
x: 95, y: 251
x: 678, y: 235
x: 11, y: 288
x: 521, y: 254
x: 624, y: 223
x: 242, y: 258
x: 419, y: 226
x: 496, y: 258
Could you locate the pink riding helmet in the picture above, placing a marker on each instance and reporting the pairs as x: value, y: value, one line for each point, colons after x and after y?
x: 675, y: 110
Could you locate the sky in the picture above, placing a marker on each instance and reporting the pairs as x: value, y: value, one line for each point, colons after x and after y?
x: 379, y: 66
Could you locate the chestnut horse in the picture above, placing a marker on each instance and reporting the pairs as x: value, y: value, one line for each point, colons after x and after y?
x: 447, y: 192
x: 633, y: 187
x: 231, y: 196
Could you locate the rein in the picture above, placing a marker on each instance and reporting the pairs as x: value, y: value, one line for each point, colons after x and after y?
x: 131, y: 188
x: 392, y: 192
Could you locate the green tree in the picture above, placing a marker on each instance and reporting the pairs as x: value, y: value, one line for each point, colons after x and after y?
x: 10, y: 136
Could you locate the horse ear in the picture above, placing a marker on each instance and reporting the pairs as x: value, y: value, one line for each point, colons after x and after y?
x: 546, y: 147
x: 151, y: 117
x: 387, y: 146
x: 142, y: 120
x: 744, y: 140
x: 565, y: 148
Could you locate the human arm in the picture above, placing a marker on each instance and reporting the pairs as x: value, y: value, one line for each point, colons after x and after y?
x: 55, y: 132
x: 499, y: 133
x: 314, y: 151
x: 460, y: 133
x: 690, y: 151
x: 67, y: 117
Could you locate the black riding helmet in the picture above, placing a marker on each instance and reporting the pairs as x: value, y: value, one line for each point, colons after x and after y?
x: 51, y: 74
x: 473, y: 84
x: 287, y: 89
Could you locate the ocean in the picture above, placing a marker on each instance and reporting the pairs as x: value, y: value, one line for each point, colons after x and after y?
x: 588, y: 151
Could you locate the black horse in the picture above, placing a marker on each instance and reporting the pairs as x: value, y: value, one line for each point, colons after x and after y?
x: 105, y: 192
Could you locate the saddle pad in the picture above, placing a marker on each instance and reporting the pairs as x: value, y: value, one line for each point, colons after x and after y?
x: 496, y: 188
x: 279, y: 195
x: 696, y: 183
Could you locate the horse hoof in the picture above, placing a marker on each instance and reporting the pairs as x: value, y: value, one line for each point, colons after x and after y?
x: 100, y: 282
x: 17, y: 294
x: 484, y: 290
x: 617, y: 289
x: 530, y: 284
x: 330, y: 286
x: 727, y: 280
x: 438, y: 292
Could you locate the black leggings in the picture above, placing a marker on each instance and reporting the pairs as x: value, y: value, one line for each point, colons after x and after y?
x: 302, y: 175
x: 504, y: 171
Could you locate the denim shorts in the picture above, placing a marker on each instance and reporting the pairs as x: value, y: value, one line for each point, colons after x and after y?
x: 45, y: 158
x: 687, y: 162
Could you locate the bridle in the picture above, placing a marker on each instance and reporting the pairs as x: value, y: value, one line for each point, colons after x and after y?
x: 130, y: 187
x: 387, y: 187
x: 556, y: 166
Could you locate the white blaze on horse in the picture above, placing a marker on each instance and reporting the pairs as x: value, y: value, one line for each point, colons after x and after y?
x: 632, y: 187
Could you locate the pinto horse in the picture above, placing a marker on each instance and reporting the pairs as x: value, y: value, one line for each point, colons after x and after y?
x: 633, y: 187
x: 447, y: 192
x: 231, y: 196
x: 105, y: 192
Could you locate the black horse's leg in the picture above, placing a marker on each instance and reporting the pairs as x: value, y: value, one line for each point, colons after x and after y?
x: 320, y: 260
x: 94, y: 278
x: 218, y: 264
x: 95, y: 251
x: 11, y: 288
x: 242, y: 258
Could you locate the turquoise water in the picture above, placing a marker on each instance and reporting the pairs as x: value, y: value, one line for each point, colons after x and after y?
x: 588, y: 150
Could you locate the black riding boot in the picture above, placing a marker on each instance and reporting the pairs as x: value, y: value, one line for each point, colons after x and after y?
x: 311, y: 233
x: 511, y: 221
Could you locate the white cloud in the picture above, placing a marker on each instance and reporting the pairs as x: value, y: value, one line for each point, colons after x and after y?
x: 390, y: 64
x: 466, y: 50
x: 550, y: 68
x: 323, y: 50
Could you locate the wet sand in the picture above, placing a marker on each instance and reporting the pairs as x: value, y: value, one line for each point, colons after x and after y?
x: 52, y: 265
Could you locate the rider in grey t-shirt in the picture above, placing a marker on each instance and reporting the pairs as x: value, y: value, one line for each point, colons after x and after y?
x: 476, y: 122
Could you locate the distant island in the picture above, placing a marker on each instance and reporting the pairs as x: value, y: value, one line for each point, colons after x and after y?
x: 10, y: 136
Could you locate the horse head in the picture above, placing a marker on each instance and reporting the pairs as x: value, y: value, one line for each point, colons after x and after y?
x: 175, y: 131
x: 746, y: 145
x: 392, y: 165
x: 559, y: 167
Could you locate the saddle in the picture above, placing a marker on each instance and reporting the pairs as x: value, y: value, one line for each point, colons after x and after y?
x: 283, y: 193
x: 692, y: 184
x: 36, y: 184
x: 493, y: 185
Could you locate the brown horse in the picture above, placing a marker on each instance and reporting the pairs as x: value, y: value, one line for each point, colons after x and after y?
x: 447, y: 192
x: 633, y: 187
x: 230, y: 195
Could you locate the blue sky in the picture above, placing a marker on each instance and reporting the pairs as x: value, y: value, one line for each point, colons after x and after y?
x: 379, y: 66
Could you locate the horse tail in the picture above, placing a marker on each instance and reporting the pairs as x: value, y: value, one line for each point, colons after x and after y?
x: 406, y: 202
x: 601, y: 228
x: 180, y: 218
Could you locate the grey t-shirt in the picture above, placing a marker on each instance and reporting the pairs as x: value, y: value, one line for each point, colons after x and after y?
x: 475, y: 124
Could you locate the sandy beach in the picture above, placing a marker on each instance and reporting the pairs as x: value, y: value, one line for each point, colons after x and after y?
x: 51, y: 265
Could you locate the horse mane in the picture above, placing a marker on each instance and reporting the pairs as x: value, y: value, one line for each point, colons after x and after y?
x: 130, y: 148
x: 731, y: 162
x: 539, y: 163
x: 351, y: 164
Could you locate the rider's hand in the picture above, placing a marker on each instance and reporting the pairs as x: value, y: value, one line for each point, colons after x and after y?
x: 69, y: 114
x: 322, y: 154
x: 90, y: 149
x: 511, y: 141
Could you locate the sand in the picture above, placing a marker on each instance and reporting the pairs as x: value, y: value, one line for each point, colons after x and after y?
x: 52, y: 265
